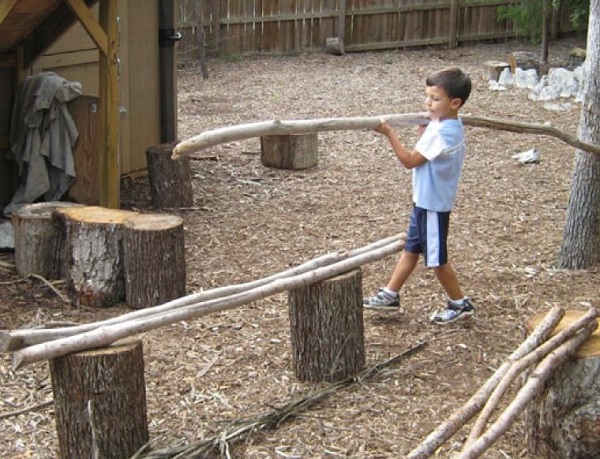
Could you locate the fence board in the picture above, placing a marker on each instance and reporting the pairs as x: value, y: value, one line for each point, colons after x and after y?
x: 238, y: 27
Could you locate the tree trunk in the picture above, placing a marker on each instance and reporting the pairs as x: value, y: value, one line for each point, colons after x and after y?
x: 94, y: 258
x: 562, y: 422
x: 170, y: 179
x: 154, y: 259
x: 326, y: 320
x: 289, y: 151
x: 100, y: 402
x: 581, y: 234
x: 39, y: 240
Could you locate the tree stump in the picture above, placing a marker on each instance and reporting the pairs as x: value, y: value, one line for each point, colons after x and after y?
x: 335, y: 46
x: 100, y: 402
x: 154, y: 259
x: 564, y: 420
x: 493, y: 69
x: 170, y: 179
x: 326, y: 320
x: 94, y: 259
x: 289, y: 151
x: 39, y: 240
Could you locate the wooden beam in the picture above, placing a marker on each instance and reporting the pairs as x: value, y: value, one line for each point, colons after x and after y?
x: 108, y: 107
x: 88, y: 22
x: 49, y: 31
x: 5, y: 7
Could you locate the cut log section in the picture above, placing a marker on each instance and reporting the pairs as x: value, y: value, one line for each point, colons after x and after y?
x: 289, y: 151
x: 39, y: 240
x: 563, y: 420
x: 170, y: 179
x: 94, y: 258
x: 154, y: 259
x: 326, y: 322
x: 493, y: 69
x: 100, y: 402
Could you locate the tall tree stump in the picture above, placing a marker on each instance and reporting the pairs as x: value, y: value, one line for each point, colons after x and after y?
x: 94, y: 259
x: 100, y: 402
x: 154, y: 259
x: 170, y: 179
x: 564, y: 420
x: 326, y: 320
x: 39, y: 240
x: 289, y: 151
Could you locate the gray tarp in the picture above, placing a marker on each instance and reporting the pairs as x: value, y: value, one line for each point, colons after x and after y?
x: 42, y: 137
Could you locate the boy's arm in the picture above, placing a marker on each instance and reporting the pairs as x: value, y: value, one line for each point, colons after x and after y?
x: 409, y: 159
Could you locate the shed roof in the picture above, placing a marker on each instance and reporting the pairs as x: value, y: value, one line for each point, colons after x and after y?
x: 35, y: 25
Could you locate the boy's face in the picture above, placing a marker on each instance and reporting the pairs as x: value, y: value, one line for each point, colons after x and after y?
x: 439, y: 106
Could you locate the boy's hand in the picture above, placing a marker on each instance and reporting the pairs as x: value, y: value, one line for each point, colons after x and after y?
x: 383, y: 128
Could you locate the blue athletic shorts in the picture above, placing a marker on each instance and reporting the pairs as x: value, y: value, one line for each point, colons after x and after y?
x: 427, y: 234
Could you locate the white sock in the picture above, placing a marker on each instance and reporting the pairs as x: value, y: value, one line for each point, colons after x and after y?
x: 389, y: 293
x: 457, y: 303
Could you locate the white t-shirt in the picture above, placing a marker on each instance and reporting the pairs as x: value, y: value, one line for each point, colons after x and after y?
x: 435, y: 183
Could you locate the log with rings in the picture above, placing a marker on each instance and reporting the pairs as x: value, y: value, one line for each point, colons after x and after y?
x: 293, y: 127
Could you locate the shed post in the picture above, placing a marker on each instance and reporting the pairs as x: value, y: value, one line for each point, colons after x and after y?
x: 167, y: 81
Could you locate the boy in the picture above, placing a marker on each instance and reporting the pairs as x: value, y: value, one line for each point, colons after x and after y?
x: 436, y: 162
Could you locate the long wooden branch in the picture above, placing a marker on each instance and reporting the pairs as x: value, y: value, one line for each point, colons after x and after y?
x: 461, y: 416
x: 106, y: 335
x: 518, y: 367
x: 288, y: 127
x: 532, y: 387
x: 12, y: 340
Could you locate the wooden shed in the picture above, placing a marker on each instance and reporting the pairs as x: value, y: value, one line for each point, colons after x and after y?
x: 122, y: 53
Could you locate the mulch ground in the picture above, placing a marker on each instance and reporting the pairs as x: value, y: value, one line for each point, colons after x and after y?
x: 249, y: 221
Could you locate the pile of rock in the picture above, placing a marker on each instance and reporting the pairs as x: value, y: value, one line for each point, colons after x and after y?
x: 557, y: 83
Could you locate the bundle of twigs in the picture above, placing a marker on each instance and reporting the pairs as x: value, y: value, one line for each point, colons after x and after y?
x: 35, y: 345
x: 241, y: 428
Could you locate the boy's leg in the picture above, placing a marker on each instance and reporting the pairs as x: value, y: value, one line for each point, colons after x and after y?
x: 447, y: 278
x: 387, y: 298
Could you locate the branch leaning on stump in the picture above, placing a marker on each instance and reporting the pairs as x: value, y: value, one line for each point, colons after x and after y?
x: 291, y: 127
x: 530, y: 351
x: 534, y: 384
x: 17, y: 339
x: 108, y: 334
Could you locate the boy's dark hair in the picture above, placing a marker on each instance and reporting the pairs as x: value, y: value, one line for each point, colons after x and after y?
x: 453, y: 80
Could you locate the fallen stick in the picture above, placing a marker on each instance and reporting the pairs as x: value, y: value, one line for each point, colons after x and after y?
x: 519, y: 366
x: 273, y: 419
x: 288, y: 127
x: 532, y: 387
x: 18, y: 339
x: 108, y: 334
x: 37, y: 406
x: 461, y: 416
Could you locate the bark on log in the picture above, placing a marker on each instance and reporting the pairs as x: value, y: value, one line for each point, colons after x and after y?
x: 100, y: 402
x: 170, y: 179
x: 289, y: 151
x: 94, y: 261
x: 39, y: 240
x: 17, y: 339
x: 279, y: 127
x: 109, y: 334
x: 151, y: 243
x: 563, y: 419
x: 326, y: 322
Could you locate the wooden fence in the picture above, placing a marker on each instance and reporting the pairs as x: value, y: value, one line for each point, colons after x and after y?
x: 238, y: 27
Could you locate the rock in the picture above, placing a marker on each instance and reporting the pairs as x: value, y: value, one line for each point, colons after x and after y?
x: 576, y: 58
x: 526, y: 78
x: 7, y: 235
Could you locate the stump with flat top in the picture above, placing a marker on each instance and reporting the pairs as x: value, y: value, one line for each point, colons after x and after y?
x: 170, y: 179
x: 493, y: 69
x: 564, y: 420
x: 298, y: 151
x: 327, y: 331
x: 154, y: 259
x: 39, y: 240
x: 94, y: 258
x: 100, y: 402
